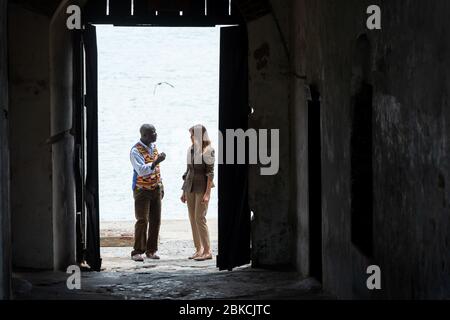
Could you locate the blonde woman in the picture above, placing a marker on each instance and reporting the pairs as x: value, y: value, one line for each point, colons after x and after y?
x: 198, y: 182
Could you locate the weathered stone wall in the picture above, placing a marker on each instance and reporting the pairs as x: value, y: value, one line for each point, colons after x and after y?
x: 273, y: 226
x: 410, y: 67
x: 5, y: 241
x: 61, y: 88
x: 30, y: 127
x: 43, y: 191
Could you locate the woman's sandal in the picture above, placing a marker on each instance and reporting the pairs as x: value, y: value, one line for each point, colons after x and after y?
x: 195, y: 255
x: 204, y: 257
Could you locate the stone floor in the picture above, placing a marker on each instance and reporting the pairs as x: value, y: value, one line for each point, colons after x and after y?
x: 172, y: 277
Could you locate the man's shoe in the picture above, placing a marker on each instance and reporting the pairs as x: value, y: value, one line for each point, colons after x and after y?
x: 137, y: 258
x: 153, y: 256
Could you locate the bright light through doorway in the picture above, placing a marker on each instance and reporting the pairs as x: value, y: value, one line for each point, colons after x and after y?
x: 132, y: 62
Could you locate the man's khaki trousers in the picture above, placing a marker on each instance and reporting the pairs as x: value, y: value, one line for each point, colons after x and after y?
x: 147, y: 207
x: 197, y: 216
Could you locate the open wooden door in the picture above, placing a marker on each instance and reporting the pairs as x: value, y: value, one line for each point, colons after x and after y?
x: 92, y: 253
x: 78, y: 131
x: 234, y: 212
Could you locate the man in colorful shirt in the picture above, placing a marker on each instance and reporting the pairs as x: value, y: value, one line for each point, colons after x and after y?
x: 148, y: 192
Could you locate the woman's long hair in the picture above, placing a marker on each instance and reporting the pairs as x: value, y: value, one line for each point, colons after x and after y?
x: 200, y: 136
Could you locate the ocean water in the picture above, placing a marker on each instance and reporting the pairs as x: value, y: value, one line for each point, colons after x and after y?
x: 132, y: 62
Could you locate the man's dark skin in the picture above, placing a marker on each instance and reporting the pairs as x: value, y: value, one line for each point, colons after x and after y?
x: 149, y: 136
x: 148, y: 206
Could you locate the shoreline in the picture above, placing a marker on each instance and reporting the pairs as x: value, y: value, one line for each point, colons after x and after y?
x: 121, y: 233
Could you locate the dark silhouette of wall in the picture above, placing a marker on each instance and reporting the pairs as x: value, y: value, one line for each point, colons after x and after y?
x: 409, y: 79
x: 30, y: 124
x: 5, y: 240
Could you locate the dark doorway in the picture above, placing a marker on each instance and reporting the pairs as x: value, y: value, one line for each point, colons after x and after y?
x: 361, y: 151
x: 234, y: 213
x: 315, y: 185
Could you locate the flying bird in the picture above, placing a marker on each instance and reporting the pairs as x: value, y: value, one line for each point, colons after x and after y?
x: 161, y: 83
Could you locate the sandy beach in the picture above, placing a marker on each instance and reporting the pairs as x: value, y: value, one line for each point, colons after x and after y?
x: 175, y: 245
x: 121, y: 233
